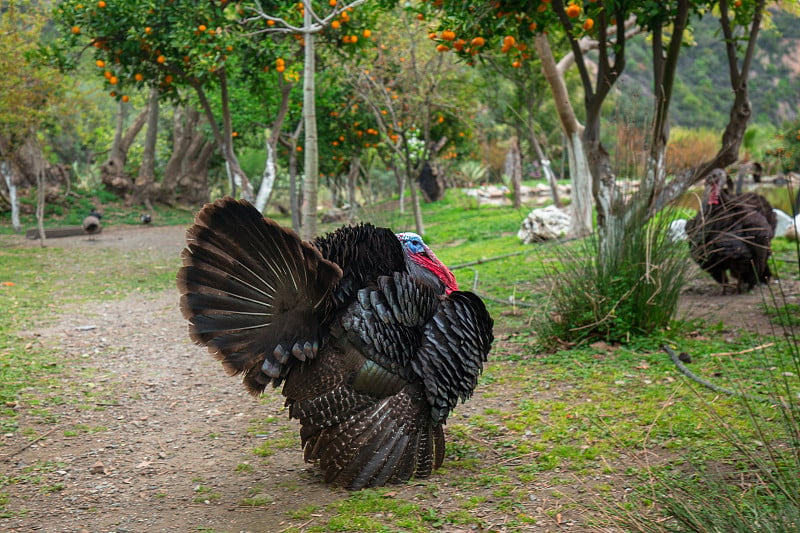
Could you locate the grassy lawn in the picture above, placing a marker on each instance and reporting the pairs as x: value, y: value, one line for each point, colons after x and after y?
x: 594, y: 416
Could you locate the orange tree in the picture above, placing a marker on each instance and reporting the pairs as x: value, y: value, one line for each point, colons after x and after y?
x: 419, y: 100
x: 176, y: 45
x: 306, y: 22
x: 518, y: 29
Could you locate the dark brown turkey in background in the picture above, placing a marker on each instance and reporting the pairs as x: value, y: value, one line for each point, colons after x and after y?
x: 365, y: 330
x: 732, y: 234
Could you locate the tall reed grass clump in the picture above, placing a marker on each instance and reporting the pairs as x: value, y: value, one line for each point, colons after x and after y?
x: 622, y: 281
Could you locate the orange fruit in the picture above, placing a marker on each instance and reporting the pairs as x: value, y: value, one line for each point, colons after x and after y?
x: 478, y: 41
x: 332, y: 3
x: 335, y: 24
x: 270, y: 23
x: 148, y: 30
x: 367, y: 33
x: 202, y: 27
x: 588, y: 24
x: 113, y: 80
x: 573, y: 11
x: 101, y: 4
x: 441, y: 47
x: 509, y: 40
x: 448, y: 35
x: 107, y: 75
x: 161, y: 59
x: 516, y: 64
x: 138, y: 77
x: 100, y: 63
x: 125, y: 98
x: 76, y: 30
x: 280, y: 68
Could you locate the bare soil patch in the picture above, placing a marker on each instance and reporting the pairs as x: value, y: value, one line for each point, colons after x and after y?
x: 153, y: 436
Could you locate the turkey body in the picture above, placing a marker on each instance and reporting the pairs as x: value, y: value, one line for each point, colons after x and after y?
x: 365, y: 331
x: 732, y: 234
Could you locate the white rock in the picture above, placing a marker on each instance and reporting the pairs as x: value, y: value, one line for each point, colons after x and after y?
x: 784, y: 221
x: 677, y: 230
x: 544, y: 224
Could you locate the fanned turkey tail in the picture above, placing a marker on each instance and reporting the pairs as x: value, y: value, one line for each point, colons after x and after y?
x: 253, y: 292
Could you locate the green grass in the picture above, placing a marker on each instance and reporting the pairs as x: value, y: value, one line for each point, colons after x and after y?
x: 72, y: 209
x: 567, y: 414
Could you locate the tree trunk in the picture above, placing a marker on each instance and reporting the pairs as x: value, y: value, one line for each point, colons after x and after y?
x: 186, y: 171
x: 185, y: 130
x: 144, y: 186
x: 272, y: 135
x: 664, y: 69
x: 269, y: 174
x: 290, y: 142
x: 581, y: 201
x: 401, y: 189
x: 311, y: 162
x: 546, y: 169
x: 193, y: 185
x: 352, y: 177
x: 739, y: 115
x: 237, y: 179
x: 40, y: 204
x: 513, y: 169
x: 415, y: 206
x: 13, y: 199
x: 112, y: 171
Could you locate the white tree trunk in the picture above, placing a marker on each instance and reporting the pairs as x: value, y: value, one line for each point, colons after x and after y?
x: 5, y: 169
x: 40, y: 198
x: 580, y: 176
x: 420, y: 227
x: 267, y: 178
x: 551, y: 181
x: 311, y: 162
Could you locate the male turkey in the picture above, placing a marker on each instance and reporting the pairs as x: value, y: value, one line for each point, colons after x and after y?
x: 732, y: 234
x: 365, y: 330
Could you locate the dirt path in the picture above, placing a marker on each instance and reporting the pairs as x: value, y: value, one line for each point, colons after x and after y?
x: 152, y: 436
x: 158, y: 449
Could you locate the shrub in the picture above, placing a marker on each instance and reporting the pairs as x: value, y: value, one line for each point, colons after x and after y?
x: 689, y: 148
x: 623, y: 281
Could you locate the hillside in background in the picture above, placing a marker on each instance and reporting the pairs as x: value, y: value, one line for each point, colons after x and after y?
x: 702, y: 98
